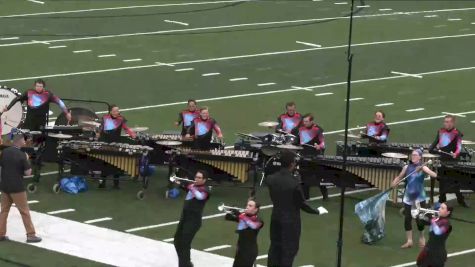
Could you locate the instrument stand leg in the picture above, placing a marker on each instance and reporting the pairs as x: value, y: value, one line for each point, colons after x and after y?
x: 432, y: 185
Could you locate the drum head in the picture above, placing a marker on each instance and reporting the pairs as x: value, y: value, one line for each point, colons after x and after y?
x: 13, y: 117
x: 394, y: 155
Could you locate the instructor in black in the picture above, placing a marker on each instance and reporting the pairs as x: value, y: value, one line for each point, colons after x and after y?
x: 288, y: 199
x: 190, y: 222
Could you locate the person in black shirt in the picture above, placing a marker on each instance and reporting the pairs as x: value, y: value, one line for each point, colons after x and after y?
x: 190, y: 222
x: 14, y: 165
x: 38, y: 101
x: 287, y: 198
x: 434, y: 254
x: 310, y: 136
x: 249, y: 225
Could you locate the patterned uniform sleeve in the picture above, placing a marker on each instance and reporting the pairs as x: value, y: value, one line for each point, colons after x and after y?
x: 458, y: 145
x: 253, y: 224
x: 434, y: 144
x: 440, y: 227
x: 321, y: 139
x: 191, y: 130
x: 127, y: 129
x: 198, y: 193
x: 217, y: 129
x: 59, y: 102
x: 384, y: 133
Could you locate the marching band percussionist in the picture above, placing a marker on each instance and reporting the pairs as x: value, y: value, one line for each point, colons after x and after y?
x: 377, y: 131
x: 310, y: 136
x: 186, y: 117
x: 414, y: 194
x: 190, y: 222
x: 38, y: 101
x: 449, y: 141
x: 434, y: 254
x: 287, y: 198
x: 248, y: 228
x: 202, y: 130
x: 289, y: 120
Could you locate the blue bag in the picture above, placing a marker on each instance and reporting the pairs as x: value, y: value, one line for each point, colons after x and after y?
x: 73, y: 185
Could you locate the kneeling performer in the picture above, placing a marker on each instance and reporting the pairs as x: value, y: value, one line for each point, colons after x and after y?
x: 248, y: 229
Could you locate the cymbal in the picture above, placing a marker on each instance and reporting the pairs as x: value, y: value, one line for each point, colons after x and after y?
x: 268, y: 124
x: 90, y: 123
x: 139, y: 129
x: 394, y: 155
x: 60, y: 136
x: 429, y: 155
x: 169, y: 143
x: 290, y: 147
x: 466, y: 142
x: 354, y: 136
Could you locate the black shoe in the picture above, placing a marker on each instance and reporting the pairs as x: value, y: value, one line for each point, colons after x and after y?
x: 33, y: 239
x: 116, y: 186
x: 464, y: 204
x: 4, y: 238
x: 102, y: 184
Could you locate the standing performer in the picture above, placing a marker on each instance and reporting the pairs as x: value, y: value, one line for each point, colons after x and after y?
x: 14, y: 165
x: 434, y: 254
x: 202, y: 129
x: 186, y: 117
x: 377, y: 131
x: 310, y: 136
x: 289, y: 120
x: 190, y: 221
x: 248, y: 229
x: 414, y: 194
x: 109, y: 132
x: 38, y: 100
x: 287, y: 198
x: 449, y: 141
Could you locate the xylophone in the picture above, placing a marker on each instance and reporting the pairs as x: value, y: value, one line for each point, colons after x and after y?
x: 88, y: 157
x: 378, y: 172
x: 234, y: 163
x: 456, y: 174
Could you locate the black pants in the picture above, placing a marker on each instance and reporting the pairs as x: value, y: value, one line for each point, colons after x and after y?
x: 185, y: 232
x: 310, y: 178
x: 284, y: 243
x: 245, y: 255
x: 445, y: 187
x: 408, y: 218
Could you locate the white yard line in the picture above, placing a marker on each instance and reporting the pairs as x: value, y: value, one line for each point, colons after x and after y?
x: 324, y: 94
x: 455, y: 19
x: 262, y: 257
x: 9, y: 38
x: 238, y: 79
x: 308, y: 44
x: 210, y: 74
x: 216, y: 248
x: 81, y: 51
x: 168, y: 240
x: 454, y: 254
x: 107, y: 55
x: 384, y: 104
x: 60, y: 211
x: 222, y: 214
x: 431, y: 16
x: 36, y: 2
x: 341, y: 3
x: 472, y: 121
x: 414, y: 109
x: 29, y: 202
x: 356, y: 99
x: 265, y: 84
x: 407, y: 74
x: 453, y: 114
x: 98, y: 220
x: 46, y: 173
x: 132, y: 60
x: 385, y: 9
x: 176, y: 22
x: 185, y: 69
x: 104, y: 245
x: 363, y: 6
x: 234, y: 57
x: 121, y: 7
x: 233, y: 26
x: 57, y: 46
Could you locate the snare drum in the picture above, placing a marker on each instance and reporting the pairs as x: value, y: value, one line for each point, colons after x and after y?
x: 16, y: 115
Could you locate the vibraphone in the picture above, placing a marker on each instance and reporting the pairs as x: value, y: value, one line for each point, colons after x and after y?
x: 455, y: 174
x: 107, y: 158
x: 378, y: 172
x: 232, y: 163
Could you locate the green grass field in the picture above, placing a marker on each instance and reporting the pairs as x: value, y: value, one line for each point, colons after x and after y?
x: 157, y: 65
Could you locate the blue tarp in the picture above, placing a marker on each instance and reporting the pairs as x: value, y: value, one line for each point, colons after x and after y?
x: 73, y: 185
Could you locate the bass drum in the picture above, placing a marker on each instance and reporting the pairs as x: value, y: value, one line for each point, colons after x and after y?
x: 16, y: 115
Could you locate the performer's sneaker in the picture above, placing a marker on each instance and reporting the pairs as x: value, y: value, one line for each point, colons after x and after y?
x: 4, y: 238
x: 33, y: 239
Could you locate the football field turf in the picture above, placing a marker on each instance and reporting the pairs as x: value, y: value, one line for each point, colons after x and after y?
x: 245, y: 59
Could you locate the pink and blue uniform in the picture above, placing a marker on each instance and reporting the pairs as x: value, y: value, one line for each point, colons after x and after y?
x: 111, y: 128
x: 185, y: 118
x: 202, y: 130
x: 448, y: 141
x: 377, y: 129
x: 435, y: 253
x: 288, y: 123
x: 310, y: 136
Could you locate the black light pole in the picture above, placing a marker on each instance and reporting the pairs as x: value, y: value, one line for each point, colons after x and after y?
x: 347, y: 117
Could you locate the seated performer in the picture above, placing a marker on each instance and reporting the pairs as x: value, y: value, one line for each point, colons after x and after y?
x: 414, y: 194
x: 310, y: 136
x: 110, y: 131
x: 202, y: 130
x: 449, y: 142
x: 186, y: 117
x: 434, y: 254
x: 377, y: 131
x: 38, y: 100
x: 190, y: 221
x: 248, y: 229
x: 289, y: 120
